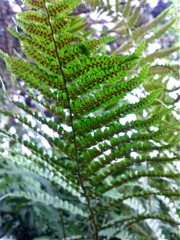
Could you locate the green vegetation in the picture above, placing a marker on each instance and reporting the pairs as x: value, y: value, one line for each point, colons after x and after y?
x: 101, y: 166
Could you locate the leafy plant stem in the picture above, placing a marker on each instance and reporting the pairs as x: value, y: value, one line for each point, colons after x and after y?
x: 73, y: 130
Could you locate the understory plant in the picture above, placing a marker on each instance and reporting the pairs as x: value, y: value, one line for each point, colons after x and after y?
x: 97, y: 164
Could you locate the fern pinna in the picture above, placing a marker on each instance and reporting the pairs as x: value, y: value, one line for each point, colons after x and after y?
x: 91, y: 159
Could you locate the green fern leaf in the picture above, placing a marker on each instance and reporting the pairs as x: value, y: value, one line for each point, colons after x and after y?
x: 135, y: 14
x: 138, y: 32
x: 161, y: 31
x: 48, y: 200
x: 126, y: 9
x: 91, y: 152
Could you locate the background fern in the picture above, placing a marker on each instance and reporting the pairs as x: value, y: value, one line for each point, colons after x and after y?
x: 130, y: 23
x: 104, y: 177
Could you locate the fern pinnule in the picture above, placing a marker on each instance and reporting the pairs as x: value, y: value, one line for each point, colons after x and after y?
x: 164, y: 70
x: 126, y: 9
x: 135, y: 14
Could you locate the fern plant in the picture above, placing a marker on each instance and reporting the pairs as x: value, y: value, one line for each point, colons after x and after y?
x: 98, y: 165
x: 131, y: 22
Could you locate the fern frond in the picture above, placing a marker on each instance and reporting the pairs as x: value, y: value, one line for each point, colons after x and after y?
x: 161, y: 31
x: 164, y: 69
x: 159, y: 54
x: 127, y: 45
x: 135, y: 14
x: 132, y: 176
x: 126, y: 9
x: 144, y: 194
x: 121, y: 141
x: 108, y: 95
x: 99, y: 69
x: 116, y: 128
x: 140, y: 217
x: 32, y: 75
x: 54, y: 173
x: 99, y: 121
x: 77, y: 24
x: 61, y: 145
x: 60, y: 9
x: 90, y: 151
x: 173, y: 211
x: 35, y: 4
x: 35, y: 17
x: 138, y: 32
x: 115, y: 167
x: 48, y: 200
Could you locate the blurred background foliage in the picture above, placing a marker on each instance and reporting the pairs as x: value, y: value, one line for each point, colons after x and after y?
x: 130, y: 21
